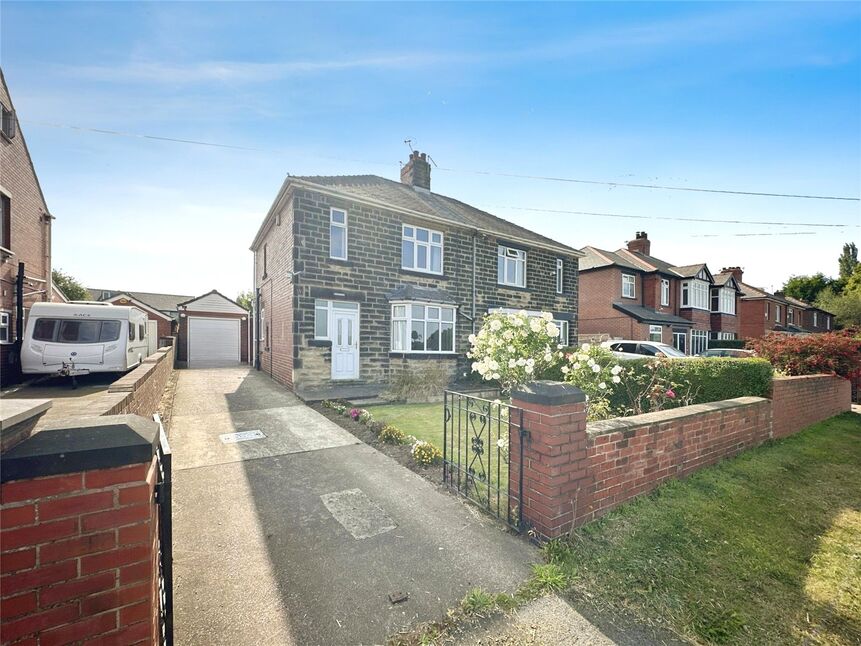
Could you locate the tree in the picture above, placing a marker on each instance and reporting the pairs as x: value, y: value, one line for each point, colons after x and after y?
x: 806, y: 288
x: 70, y: 286
x: 245, y: 299
x: 848, y: 260
x: 845, y: 306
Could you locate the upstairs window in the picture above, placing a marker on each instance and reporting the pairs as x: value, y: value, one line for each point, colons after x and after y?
x: 665, y: 291
x: 421, y: 249
x: 723, y: 300
x: 560, y: 276
x: 695, y: 294
x: 827, y: 322
x: 629, y: 286
x: 7, y: 122
x: 511, y: 266
x: 815, y: 319
x: 265, y: 260
x: 338, y: 234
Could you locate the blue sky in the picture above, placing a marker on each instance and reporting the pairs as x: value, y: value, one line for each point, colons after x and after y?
x: 757, y: 97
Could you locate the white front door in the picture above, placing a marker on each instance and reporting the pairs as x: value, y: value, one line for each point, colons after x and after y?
x: 345, y: 345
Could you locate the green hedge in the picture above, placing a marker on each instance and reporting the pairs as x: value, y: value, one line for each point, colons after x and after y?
x: 706, y: 379
x: 735, y: 344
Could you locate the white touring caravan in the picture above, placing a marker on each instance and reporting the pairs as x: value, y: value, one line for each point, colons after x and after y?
x: 81, y: 337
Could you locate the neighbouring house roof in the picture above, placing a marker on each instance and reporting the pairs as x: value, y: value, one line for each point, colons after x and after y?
x: 414, y: 293
x: 166, y: 303
x: 212, y: 301
x: 725, y: 278
x: 646, y: 315
x: 595, y: 258
x: 749, y: 292
x: 408, y: 199
x: 805, y: 305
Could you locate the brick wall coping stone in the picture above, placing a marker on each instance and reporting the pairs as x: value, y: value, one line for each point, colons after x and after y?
x: 81, y: 444
x: 617, y: 424
x: 132, y: 380
x: 548, y: 393
x: 15, y: 411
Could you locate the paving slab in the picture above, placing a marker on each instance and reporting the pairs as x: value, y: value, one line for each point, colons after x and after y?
x: 261, y: 558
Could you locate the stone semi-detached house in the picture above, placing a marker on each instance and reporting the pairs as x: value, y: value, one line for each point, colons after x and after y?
x: 630, y: 294
x: 25, y: 237
x: 360, y: 278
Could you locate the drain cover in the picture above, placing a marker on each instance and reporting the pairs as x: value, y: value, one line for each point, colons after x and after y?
x: 241, y: 436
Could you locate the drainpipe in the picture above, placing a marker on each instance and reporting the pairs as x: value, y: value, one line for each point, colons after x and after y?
x: 19, y: 306
x: 257, y: 328
x: 474, y: 247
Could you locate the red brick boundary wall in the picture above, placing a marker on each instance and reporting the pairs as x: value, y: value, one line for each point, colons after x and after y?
x: 801, y: 401
x: 139, y: 392
x: 574, y: 472
x: 78, y: 545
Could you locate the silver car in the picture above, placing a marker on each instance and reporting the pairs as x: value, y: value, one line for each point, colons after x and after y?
x: 628, y: 349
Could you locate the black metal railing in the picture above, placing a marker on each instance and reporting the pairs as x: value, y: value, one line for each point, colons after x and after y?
x: 477, y: 441
x: 165, y: 537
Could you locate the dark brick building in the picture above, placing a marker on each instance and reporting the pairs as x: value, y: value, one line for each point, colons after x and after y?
x: 360, y: 277
x: 631, y: 294
x: 25, y: 236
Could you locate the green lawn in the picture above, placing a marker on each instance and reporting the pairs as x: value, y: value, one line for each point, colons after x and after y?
x: 422, y: 420
x: 761, y: 549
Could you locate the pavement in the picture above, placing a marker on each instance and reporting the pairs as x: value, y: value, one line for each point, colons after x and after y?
x: 305, y: 535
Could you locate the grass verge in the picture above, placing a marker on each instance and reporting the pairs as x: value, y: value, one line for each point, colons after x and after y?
x: 764, y: 548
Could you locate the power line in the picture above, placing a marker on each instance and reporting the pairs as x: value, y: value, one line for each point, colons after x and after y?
x: 744, y: 235
x: 572, y: 180
x: 671, y: 219
x: 653, y: 186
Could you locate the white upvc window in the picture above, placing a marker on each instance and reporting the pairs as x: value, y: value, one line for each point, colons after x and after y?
x: 5, y: 327
x: 723, y: 300
x: 423, y: 327
x: 815, y: 319
x: 421, y: 249
x: 827, y: 322
x: 337, y: 234
x: 699, y: 341
x: 656, y: 333
x: 511, y: 266
x: 777, y: 313
x: 695, y: 294
x: 323, y: 316
x: 560, y: 275
x: 726, y: 336
x: 790, y: 316
x: 766, y: 310
x: 665, y: 291
x: 629, y: 286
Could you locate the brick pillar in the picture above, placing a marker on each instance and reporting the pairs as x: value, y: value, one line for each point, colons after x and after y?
x: 79, y: 534
x: 556, y: 478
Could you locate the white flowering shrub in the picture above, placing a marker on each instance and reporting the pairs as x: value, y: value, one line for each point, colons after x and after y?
x: 513, y: 349
x: 596, y: 371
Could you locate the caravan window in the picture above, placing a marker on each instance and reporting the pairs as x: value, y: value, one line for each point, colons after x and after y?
x: 131, y: 332
x: 71, y: 331
x: 141, y: 332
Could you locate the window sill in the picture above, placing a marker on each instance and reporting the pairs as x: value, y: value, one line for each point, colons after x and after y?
x: 512, y: 287
x: 419, y: 272
x: 6, y: 253
x: 342, y: 261
x: 423, y: 355
x: 630, y: 298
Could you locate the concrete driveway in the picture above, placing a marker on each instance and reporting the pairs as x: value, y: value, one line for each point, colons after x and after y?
x: 299, y: 537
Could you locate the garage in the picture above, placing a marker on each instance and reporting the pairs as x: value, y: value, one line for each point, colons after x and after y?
x: 213, y: 341
x: 213, y: 332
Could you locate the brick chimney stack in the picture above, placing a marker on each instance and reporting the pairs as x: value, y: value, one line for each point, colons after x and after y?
x: 416, y: 172
x: 640, y: 244
x: 735, y: 271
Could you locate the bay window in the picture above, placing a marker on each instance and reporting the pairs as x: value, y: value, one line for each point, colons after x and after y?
x: 723, y: 300
x: 699, y: 341
x: 695, y: 294
x: 421, y: 249
x: 511, y: 266
x: 423, y: 327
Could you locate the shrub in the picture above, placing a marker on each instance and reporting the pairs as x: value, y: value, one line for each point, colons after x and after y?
x: 419, y: 384
x: 596, y: 371
x: 736, y: 344
x: 515, y: 348
x: 693, y: 381
x: 392, y: 435
x: 356, y: 413
x: 832, y: 353
x: 375, y: 426
x: 425, y: 453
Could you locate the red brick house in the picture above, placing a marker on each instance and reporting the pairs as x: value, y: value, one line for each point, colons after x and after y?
x: 763, y: 312
x: 628, y: 293
x: 25, y: 238
x: 810, y: 318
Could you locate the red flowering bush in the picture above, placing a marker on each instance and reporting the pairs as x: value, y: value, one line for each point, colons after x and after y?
x: 832, y: 353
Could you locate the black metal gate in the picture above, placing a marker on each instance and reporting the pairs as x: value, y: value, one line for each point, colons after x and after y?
x: 165, y: 538
x: 477, y: 441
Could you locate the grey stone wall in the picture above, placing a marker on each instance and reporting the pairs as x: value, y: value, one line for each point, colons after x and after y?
x: 373, y: 269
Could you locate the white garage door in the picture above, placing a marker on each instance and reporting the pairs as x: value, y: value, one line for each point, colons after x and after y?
x: 213, y: 342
